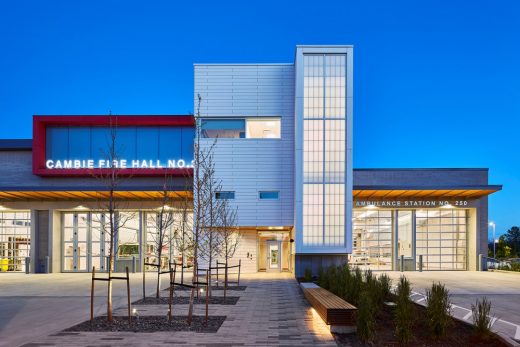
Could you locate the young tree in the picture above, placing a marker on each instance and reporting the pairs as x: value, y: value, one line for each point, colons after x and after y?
x: 201, y: 176
x: 111, y: 220
x: 162, y: 220
x: 213, y: 208
x: 229, y: 235
x: 183, y: 232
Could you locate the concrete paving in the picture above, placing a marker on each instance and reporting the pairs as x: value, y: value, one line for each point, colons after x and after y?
x: 501, y: 288
x: 271, y: 311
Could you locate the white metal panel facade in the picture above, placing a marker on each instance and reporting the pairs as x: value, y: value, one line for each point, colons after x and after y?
x: 247, y: 166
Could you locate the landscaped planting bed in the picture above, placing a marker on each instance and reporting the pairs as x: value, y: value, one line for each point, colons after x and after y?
x: 390, y: 318
x: 459, y: 335
x: 150, y: 324
x: 184, y: 300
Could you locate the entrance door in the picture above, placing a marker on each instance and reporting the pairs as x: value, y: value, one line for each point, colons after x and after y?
x: 273, y: 256
x: 405, y: 240
x: 75, y: 242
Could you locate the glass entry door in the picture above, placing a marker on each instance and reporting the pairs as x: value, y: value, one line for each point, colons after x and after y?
x: 273, y: 255
x: 405, y: 240
x: 75, y: 242
x: 85, y: 241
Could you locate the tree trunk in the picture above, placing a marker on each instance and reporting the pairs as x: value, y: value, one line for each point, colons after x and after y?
x: 158, y: 289
x: 109, y: 294
x: 225, y: 279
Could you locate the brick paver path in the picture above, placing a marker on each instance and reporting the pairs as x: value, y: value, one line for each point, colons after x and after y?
x: 270, y: 312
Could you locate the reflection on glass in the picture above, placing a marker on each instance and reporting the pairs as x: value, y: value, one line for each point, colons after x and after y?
x: 223, y: 128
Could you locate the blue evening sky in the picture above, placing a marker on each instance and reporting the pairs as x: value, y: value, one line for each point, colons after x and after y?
x: 437, y: 83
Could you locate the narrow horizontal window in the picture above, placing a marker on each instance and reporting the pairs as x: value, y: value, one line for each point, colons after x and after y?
x: 224, y: 195
x: 223, y: 128
x: 269, y: 195
x: 267, y: 128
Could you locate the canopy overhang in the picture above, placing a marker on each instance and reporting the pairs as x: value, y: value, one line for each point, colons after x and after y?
x: 90, y: 194
x: 423, y: 192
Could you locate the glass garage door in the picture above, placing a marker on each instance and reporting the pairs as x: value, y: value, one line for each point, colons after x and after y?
x: 372, y: 239
x: 441, y: 239
x: 85, y: 243
x: 15, y: 240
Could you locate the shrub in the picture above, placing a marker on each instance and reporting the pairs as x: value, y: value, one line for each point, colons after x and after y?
x: 352, y: 288
x: 323, y: 279
x: 369, y: 276
x: 374, y: 289
x: 332, y: 275
x: 404, y: 312
x: 386, y: 285
x: 438, y: 308
x: 307, y: 277
x: 481, y: 318
x: 365, y: 320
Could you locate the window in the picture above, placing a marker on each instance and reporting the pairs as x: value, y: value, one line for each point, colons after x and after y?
x: 132, y: 142
x: 224, y: 195
x: 324, y: 150
x: 15, y: 240
x: 268, y: 195
x: 251, y: 128
x: 263, y: 128
x: 223, y: 128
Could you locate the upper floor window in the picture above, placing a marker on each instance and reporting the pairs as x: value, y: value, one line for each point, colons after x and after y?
x: 269, y: 195
x: 223, y: 128
x: 251, y: 128
x: 224, y: 195
x: 263, y: 128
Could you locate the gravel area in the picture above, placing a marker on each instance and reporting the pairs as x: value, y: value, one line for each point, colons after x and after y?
x: 184, y: 300
x: 151, y: 324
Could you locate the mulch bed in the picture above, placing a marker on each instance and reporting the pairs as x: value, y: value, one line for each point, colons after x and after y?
x: 240, y: 288
x: 151, y: 324
x: 459, y: 334
x: 184, y: 300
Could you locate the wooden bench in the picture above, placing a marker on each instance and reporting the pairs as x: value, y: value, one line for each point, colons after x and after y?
x: 332, y: 309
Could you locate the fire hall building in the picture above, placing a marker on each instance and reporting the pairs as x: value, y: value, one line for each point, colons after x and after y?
x: 282, y: 136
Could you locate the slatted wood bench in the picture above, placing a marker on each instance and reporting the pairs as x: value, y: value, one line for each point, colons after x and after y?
x: 332, y: 309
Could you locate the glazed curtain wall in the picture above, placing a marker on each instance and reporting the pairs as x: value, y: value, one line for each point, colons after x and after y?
x: 440, y: 237
x: 324, y: 150
x: 15, y: 240
x: 86, y: 239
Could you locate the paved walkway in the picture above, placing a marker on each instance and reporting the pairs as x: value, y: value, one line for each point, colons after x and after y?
x: 270, y: 312
x: 502, y: 289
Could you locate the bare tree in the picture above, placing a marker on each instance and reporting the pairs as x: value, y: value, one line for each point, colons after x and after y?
x: 183, y: 232
x: 111, y: 221
x: 229, y: 235
x: 201, y: 177
x: 213, y: 208
x: 162, y: 221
